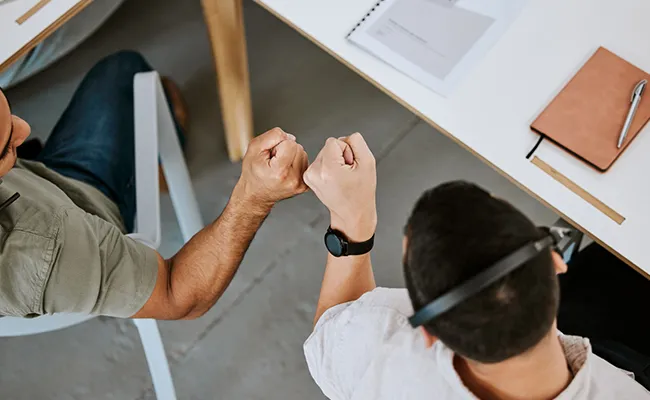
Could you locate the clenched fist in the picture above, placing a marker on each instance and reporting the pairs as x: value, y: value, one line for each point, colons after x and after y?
x: 344, y: 178
x: 272, y: 170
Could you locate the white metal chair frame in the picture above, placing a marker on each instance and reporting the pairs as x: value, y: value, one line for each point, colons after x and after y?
x: 155, y: 139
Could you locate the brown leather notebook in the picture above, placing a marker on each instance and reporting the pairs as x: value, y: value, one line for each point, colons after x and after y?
x: 587, y: 117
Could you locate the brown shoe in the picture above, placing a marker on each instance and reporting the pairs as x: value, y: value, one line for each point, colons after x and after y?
x: 179, y: 109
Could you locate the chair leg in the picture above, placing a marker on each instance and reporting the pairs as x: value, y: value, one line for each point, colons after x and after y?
x: 146, y: 88
x: 155, y: 124
x: 176, y: 173
x: 155, y: 129
x: 156, y: 359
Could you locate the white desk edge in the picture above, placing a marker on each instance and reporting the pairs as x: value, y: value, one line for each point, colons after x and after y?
x: 491, y: 111
x: 16, y: 36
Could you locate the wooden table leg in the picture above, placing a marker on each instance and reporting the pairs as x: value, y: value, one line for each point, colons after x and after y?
x: 225, y: 21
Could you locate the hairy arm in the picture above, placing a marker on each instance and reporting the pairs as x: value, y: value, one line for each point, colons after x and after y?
x: 191, y: 282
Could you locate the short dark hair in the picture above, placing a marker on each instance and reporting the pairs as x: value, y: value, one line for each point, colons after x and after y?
x: 455, y: 231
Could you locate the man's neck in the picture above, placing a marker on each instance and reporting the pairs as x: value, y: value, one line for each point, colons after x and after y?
x: 541, y: 373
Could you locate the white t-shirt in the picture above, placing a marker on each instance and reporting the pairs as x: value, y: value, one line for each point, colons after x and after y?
x: 366, y: 350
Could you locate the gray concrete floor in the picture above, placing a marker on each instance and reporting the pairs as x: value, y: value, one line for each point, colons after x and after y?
x: 249, y: 346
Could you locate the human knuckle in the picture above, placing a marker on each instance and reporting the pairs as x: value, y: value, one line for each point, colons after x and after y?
x: 249, y: 151
x: 281, y: 173
x: 315, y: 178
x: 253, y: 146
x: 325, y: 175
x: 256, y: 140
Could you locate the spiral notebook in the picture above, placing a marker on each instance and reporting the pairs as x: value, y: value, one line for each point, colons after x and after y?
x: 435, y: 42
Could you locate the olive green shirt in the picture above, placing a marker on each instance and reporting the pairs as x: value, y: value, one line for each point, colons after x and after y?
x: 63, y: 249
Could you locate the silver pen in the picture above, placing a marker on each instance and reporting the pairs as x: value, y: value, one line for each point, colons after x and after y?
x: 636, y: 100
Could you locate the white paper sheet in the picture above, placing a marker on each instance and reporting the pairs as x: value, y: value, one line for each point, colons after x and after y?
x: 436, y: 42
x: 447, y: 3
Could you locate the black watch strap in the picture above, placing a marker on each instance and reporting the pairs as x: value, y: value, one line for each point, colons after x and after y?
x: 351, y: 248
x: 357, y: 249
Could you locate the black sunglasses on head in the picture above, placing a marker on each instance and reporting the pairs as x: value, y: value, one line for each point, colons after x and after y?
x: 563, y: 239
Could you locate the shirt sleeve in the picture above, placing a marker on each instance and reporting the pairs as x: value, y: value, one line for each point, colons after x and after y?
x: 96, y: 269
x: 348, y: 336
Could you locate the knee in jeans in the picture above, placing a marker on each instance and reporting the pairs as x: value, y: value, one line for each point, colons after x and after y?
x: 123, y: 62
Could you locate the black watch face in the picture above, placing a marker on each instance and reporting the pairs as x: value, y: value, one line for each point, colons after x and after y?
x: 333, y: 244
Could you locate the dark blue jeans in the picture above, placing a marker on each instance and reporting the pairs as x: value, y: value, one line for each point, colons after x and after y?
x: 93, y: 141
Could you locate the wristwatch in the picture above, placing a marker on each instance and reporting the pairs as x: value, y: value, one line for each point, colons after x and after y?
x: 339, y: 246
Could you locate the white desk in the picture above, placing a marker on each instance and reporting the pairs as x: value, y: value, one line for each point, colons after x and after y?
x: 491, y: 110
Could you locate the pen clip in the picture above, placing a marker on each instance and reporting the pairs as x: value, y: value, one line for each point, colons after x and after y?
x: 639, y: 89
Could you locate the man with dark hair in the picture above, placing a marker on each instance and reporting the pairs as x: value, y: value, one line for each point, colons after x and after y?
x: 436, y: 262
x: 498, y: 342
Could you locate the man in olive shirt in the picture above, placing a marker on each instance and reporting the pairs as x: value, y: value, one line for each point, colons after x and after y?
x: 62, y: 243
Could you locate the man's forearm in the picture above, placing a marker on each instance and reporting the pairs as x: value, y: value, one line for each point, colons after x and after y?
x: 344, y: 178
x: 346, y: 279
x: 202, y: 270
x: 188, y: 284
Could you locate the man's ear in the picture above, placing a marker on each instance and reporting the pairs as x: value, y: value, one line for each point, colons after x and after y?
x: 429, y: 339
x: 558, y: 263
